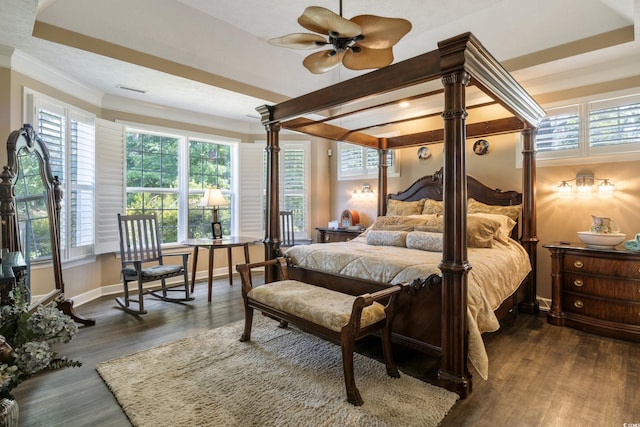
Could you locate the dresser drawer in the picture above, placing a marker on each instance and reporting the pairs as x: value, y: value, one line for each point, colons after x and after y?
x: 620, y: 312
x: 608, y: 287
x: 602, y: 266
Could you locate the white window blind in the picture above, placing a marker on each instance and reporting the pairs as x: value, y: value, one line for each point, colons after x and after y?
x: 294, y: 173
x: 559, y: 132
x: 294, y: 181
x: 251, y: 188
x: 614, y: 124
x: 606, y: 127
x: 356, y: 162
x: 111, y: 188
x: 69, y: 134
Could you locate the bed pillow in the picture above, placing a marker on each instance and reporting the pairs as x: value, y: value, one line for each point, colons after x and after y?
x: 474, y: 206
x: 400, y: 208
x: 425, y: 241
x: 400, y: 223
x: 506, y: 225
x: 480, y: 230
x: 433, y: 207
x: 387, y: 238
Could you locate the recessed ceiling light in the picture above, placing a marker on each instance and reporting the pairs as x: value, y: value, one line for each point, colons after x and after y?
x: 404, y: 104
x: 129, y: 88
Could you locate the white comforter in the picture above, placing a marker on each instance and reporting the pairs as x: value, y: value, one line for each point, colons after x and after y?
x: 496, y: 273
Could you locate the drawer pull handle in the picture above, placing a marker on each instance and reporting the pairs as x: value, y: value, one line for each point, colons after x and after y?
x: 578, y: 304
x: 578, y: 282
x: 578, y: 264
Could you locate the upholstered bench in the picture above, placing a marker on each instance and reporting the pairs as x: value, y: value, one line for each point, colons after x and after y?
x: 332, y: 315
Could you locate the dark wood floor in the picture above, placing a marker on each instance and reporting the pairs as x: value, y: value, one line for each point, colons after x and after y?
x: 540, y: 375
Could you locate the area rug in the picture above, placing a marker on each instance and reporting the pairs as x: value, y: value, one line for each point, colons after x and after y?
x: 282, y: 377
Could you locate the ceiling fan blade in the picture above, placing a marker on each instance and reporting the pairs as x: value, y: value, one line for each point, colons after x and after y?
x: 321, y: 20
x: 368, y: 58
x: 299, y: 41
x: 321, y: 62
x: 379, y: 32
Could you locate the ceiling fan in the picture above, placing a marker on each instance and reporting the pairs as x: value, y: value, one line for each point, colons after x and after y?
x: 359, y: 43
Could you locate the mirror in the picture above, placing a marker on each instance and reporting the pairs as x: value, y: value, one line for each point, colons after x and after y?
x: 30, y: 202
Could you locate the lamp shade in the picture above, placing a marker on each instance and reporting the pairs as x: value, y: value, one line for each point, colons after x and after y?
x: 213, y: 197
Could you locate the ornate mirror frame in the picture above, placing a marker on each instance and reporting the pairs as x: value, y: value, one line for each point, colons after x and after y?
x: 27, y: 139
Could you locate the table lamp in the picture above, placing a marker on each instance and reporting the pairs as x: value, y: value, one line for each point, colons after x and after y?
x: 213, y: 197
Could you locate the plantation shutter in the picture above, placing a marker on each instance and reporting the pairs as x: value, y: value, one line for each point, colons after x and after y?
x: 356, y: 162
x: 251, y: 188
x: 70, y: 139
x: 294, y: 167
x: 81, y: 185
x: 614, y: 125
x: 111, y: 188
x: 559, y: 132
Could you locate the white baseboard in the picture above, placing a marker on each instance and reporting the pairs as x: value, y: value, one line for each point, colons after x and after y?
x: 116, y: 288
x: 545, y: 303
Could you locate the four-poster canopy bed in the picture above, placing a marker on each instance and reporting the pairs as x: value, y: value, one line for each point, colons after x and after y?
x: 468, y: 78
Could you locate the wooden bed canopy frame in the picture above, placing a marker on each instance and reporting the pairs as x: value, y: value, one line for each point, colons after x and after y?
x: 458, y: 62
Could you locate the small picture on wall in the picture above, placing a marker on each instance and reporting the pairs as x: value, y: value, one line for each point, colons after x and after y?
x: 424, y: 153
x: 481, y: 147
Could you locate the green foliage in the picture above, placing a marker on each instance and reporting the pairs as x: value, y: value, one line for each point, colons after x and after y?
x: 153, y: 164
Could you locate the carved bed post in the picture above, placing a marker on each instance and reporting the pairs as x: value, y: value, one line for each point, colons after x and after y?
x: 529, y: 226
x: 382, y: 175
x: 272, y: 223
x: 454, y: 373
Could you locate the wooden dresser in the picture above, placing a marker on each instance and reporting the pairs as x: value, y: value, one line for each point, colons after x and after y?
x: 595, y: 290
x: 326, y: 235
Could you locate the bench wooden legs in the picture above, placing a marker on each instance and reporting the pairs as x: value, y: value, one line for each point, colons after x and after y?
x: 248, y: 322
x: 348, y: 347
x: 392, y: 369
x: 347, y: 344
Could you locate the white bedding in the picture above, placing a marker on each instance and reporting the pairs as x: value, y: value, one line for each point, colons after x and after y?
x: 495, y: 274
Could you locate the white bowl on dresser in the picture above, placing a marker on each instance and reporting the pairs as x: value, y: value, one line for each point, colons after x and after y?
x: 601, y: 240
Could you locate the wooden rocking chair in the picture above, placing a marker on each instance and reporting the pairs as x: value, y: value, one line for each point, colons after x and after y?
x: 142, y: 262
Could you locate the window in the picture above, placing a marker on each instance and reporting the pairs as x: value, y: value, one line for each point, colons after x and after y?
x: 294, y: 159
x: 294, y: 180
x: 357, y: 162
x: 560, y: 131
x: 69, y: 134
x: 168, y: 173
x: 608, y: 127
x: 209, y: 165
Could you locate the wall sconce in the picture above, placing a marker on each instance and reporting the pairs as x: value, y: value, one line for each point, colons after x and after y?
x: 366, y: 193
x: 584, y: 185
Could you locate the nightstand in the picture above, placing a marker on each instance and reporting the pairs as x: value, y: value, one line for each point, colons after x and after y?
x: 327, y: 235
x: 595, y: 290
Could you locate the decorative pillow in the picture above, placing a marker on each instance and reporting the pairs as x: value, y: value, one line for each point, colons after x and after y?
x: 400, y: 223
x: 400, y: 208
x: 433, y: 207
x: 480, y: 230
x: 506, y: 225
x: 425, y: 241
x: 474, y: 206
x: 387, y: 238
x: 433, y: 225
